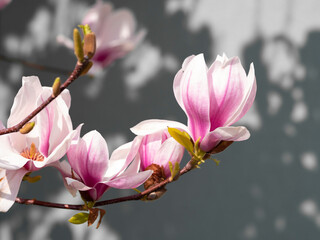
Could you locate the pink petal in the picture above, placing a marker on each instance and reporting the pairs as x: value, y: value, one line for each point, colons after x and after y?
x: 96, y: 17
x: 154, y: 125
x: 60, y: 150
x: 65, y: 169
x: 4, y: 3
x: 9, y: 186
x: 89, y: 158
x: 231, y: 92
x: 122, y: 157
x: 149, y: 147
x: 25, y: 100
x: 134, y: 167
x: 9, y: 158
x: 77, y: 184
x: 247, y: 100
x: 170, y: 151
x: 224, y: 133
x: 118, y: 26
x: 24, y: 103
x: 132, y: 180
x: 54, y: 121
x: 195, y: 96
x: 177, y: 81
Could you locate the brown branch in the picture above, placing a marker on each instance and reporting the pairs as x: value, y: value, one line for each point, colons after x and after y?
x: 138, y: 196
x: 74, y: 75
x: 34, y: 65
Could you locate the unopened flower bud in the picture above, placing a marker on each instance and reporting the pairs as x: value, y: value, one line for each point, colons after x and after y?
x: 56, y: 87
x: 77, y: 42
x: 89, y: 45
x: 27, y: 128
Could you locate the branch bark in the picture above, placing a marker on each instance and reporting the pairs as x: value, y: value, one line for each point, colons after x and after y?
x: 134, y: 197
x: 74, y: 75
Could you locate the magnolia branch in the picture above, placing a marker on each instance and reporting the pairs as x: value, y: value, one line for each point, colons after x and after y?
x: 79, y: 68
x: 138, y: 196
x: 34, y: 65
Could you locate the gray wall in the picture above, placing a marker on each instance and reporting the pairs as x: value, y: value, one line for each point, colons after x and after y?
x: 265, y: 188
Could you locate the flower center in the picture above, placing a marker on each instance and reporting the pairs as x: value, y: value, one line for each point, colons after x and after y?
x: 32, y: 153
x: 156, y: 177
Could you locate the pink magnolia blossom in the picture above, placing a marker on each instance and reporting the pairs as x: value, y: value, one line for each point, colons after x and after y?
x: 158, y: 148
x: 4, y: 3
x: 94, y: 173
x: 213, y: 99
x: 115, y: 33
x: 43, y: 146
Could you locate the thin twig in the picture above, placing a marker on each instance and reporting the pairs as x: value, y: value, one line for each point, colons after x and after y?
x: 34, y: 65
x: 74, y: 75
x: 138, y: 196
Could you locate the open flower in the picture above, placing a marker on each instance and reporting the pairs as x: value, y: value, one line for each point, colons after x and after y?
x: 46, y: 143
x: 155, y: 152
x: 115, y: 33
x: 94, y: 173
x: 213, y: 99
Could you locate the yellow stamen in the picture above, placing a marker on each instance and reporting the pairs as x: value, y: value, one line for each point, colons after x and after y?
x: 32, y: 153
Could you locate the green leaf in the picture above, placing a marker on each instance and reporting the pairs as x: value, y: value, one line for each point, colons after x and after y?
x: 174, y: 170
x: 182, y: 137
x: 171, y: 167
x: 79, y: 218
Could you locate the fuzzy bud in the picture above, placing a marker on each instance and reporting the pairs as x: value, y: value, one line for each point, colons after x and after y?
x: 89, y: 45
x: 77, y: 42
x: 56, y: 87
x: 27, y: 128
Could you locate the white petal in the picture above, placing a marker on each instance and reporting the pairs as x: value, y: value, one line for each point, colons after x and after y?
x: 154, y: 125
x: 132, y: 180
x: 224, y: 133
x: 77, y: 184
x: 9, y: 186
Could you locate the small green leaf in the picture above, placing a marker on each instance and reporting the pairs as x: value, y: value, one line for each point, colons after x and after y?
x: 171, y: 167
x: 79, y: 218
x: 174, y: 170
x: 181, y: 137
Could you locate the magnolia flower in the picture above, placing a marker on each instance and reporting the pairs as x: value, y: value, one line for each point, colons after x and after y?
x: 156, y: 151
x: 115, y: 33
x: 93, y: 172
x: 46, y: 143
x: 213, y: 99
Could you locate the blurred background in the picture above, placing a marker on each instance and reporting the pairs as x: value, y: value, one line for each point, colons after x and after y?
x: 265, y: 188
